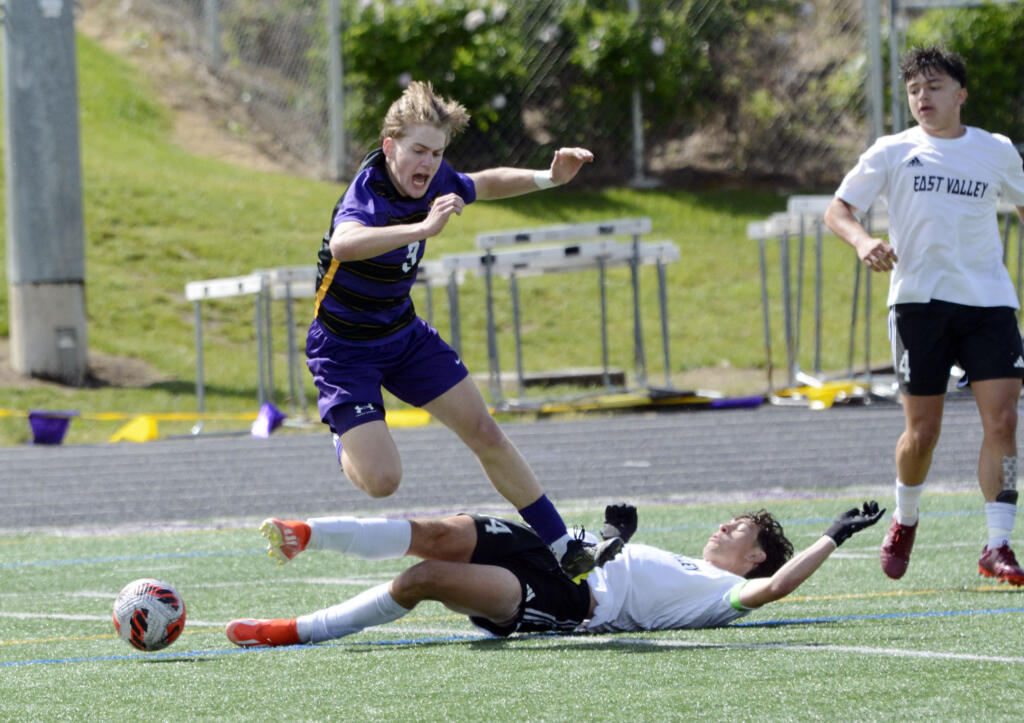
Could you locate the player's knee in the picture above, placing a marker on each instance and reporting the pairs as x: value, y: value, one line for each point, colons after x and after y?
x: 375, y: 482
x: 416, y: 583
x: 452, y: 539
x: 487, y: 436
x: 922, y: 438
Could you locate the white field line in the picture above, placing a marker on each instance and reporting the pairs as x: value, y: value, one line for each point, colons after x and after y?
x: 89, y: 618
x: 862, y: 649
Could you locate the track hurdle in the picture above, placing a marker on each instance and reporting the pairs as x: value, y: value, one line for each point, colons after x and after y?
x: 573, y: 254
x: 804, y: 219
x: 287, y: 283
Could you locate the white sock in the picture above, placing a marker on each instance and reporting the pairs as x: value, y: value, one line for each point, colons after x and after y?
x: 371, y: 538
x: 907, y: 498
x: 370, y: 607
x: 1000, y: 517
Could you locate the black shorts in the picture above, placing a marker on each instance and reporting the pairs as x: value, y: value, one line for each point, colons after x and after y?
x: 927, y: 339
x: 551, y: 601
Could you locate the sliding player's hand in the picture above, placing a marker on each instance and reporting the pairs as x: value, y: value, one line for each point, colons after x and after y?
x: 854, y: 520
x: 619, y: 521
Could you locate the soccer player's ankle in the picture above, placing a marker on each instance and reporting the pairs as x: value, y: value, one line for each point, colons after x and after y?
x: 542, y: 516
x: 304, y: 628
x: 558, y: 547
x: 905, y: 517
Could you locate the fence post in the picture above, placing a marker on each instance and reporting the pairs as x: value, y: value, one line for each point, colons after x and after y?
x: 211, y: 21
x: 336, y: 92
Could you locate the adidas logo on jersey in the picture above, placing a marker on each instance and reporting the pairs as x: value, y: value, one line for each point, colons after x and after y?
x: 1019, y: 364
x: 530, y: 594
x: 914, y: 162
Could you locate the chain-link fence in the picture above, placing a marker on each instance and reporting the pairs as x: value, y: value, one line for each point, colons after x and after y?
x: 771, y: 89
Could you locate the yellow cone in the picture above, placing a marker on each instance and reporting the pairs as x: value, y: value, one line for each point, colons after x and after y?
x: 140, y: 429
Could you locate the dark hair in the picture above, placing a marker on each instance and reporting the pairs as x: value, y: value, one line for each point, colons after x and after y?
x: 920, y: 60
x: 772, y: 539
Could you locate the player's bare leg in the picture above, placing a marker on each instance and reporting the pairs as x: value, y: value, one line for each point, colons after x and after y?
x: 997, y: 475
x: 462, y: 409
x: 997, y: 404
x: 923, y: 417
x: 479, y: 590
x: 452, y: 539
x: 370, y: 459
x: 914, y: 449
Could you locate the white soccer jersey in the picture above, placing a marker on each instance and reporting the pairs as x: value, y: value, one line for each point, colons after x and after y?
x: 646, y: 588
x: 942, y: 195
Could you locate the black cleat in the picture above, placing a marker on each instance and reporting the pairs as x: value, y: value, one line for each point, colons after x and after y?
x: 581, y: 557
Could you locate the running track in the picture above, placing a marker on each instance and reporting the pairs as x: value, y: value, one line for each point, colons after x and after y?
x: 681, y: 455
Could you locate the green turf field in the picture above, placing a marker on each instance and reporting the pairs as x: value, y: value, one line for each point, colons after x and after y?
x: 942, y: 643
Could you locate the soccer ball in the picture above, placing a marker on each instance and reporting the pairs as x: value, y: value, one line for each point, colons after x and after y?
x: 149, y: 614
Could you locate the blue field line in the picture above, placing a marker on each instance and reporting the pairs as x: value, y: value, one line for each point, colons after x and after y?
x: 457, y: 638
x: 130, y: 558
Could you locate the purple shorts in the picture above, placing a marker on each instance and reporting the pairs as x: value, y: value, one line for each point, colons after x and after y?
x: 417, y: 367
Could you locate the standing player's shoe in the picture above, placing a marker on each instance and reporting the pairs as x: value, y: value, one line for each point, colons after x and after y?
x: 1001, y: 564
x: 285, y: 538
x: 581, y: 557
x: 896, y: 547
x: 253, y: 632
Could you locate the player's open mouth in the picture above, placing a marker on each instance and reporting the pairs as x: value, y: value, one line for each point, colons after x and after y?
x: 420, y: 179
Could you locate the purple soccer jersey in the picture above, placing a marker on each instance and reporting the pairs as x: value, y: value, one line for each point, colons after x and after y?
x: 366, y: 333
x: 368, y: 300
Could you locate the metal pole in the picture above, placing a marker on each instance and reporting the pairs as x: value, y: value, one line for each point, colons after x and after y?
x: 336, y: 92
x: 200, y: 381
x: 875, y: 95
x: 663, y: 304
x: 636, y: 114
x: 895, y: 84
x: 258, y: 323
x: 292, y: 354
x: 787, y: 315
x: 513, y: 285
x: 639, y: 357
x: 492, y: 334
x: 268, y: 325
x: 453, y: 313
x: 853, y: 321
x: 604, y: 323
x: 817, y: 296
x: 765, y: 313
x: 211, y: 18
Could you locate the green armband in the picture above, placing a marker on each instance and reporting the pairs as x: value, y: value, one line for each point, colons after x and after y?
x: 734, y: 597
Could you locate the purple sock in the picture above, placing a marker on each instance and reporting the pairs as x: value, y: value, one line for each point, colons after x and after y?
x: 542, y: 516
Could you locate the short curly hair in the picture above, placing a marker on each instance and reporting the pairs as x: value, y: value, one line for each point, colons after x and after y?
x: 918, y: 61
x: 420, y: 105
x: 772, y: 539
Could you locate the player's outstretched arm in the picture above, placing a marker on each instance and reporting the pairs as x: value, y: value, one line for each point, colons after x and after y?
x: 505, y: 182
x: 790, y: 576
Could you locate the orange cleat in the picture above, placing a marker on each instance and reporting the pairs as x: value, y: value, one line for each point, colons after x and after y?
x: 1001, y: 564
x: 253, y: 632
x: 285, y: 538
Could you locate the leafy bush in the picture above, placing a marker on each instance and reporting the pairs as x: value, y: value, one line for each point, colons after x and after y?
x: 985, y: 38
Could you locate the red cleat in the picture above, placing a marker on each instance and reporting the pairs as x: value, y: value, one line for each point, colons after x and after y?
x: 286, y: 538
x: 896, y: 547
x: 252, y: 632
x: 1001, y: 564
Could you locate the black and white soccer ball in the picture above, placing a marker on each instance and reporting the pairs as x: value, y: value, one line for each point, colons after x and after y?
x: 149, y: 614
